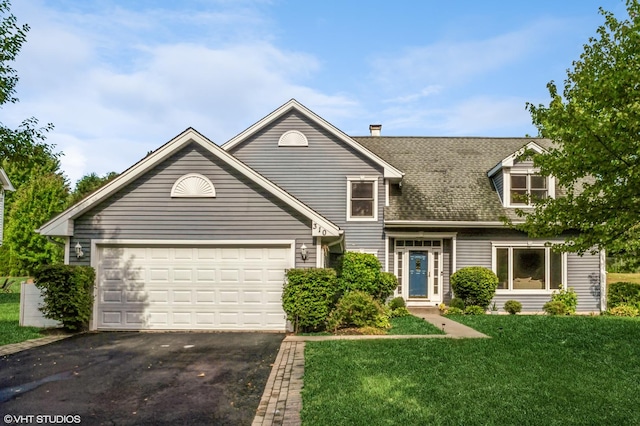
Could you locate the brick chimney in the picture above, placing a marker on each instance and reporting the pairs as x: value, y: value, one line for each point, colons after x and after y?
x: 375, y: 129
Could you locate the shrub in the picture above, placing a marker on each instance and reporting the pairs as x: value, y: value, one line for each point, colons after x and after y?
x: 399, y: 312
x: 68, y: 294
x: 555, y: 307
x: 624, y: 310
x: 623, y: 293
x: 512, y: 306
x: 358, y: 309
x: 568, y: 298
x: 397, y: 302
x: 474, y: 310
x: 453, y: 311
x: 308, y: 296
x: 362, y: 271
x: 475, y: 285
x: 456, y: 302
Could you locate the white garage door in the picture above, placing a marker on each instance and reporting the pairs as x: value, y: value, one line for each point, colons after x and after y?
x: 187, y: 288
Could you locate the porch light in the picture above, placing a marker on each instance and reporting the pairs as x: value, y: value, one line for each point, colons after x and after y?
x: 79, y: 252
x: 303, y: 252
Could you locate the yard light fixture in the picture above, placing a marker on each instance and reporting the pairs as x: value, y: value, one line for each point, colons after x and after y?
x: 303, y: 252
x: 79, y: 252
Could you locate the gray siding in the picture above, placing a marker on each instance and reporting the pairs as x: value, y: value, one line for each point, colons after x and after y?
x: 583, y: 273
x: 498, y: 184
x: 584, y: 277
x: 316, y: 175
x: 241, y: 209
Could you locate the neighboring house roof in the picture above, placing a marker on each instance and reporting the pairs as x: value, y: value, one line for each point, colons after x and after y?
x: 446, y: 179
x: 5, y: 182
x: 62, y: 225
x: 390, y: 172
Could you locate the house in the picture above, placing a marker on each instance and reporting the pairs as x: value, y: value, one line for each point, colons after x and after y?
x: 5, y: 185
x: 198, y: 236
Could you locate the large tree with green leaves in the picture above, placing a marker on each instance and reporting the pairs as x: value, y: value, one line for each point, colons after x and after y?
x: 88, y: 184
x: 595, y: 126
x: 28, y: 161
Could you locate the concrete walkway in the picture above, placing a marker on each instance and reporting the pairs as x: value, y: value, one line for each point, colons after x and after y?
x: 281, y: 400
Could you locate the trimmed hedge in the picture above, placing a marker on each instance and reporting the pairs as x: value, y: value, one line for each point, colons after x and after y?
x: 475, y: 285
x: 68, y: 294
x: 308, y: 297
x: 623, y: 293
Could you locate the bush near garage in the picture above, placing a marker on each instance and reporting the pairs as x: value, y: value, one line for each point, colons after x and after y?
x: 362, y: 272
x: 308, y: 297
x: 68, y: 294
x: 623, y: 293
x: 475, y: 285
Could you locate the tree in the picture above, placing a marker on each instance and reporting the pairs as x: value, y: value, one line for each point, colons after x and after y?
x: 88, y: 184
x: 35, y: 203
x: 26, y: 158
x: 595, y: 127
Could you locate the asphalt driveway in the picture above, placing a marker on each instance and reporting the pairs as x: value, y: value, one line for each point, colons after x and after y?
x: 139, y: 378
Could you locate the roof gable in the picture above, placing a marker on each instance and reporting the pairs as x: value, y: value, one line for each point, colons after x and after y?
x: 390, y: 172
x: 62, y: 225
x: 511, y: 159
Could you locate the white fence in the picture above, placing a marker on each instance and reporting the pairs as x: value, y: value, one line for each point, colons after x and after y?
x: 30, y: 300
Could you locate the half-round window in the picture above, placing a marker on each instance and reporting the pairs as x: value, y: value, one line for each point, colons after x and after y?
x: 193, y: 185
x: 293, y: 138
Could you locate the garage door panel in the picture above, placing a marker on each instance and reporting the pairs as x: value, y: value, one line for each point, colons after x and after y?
x: 182, y: 297
x: 222, y: 288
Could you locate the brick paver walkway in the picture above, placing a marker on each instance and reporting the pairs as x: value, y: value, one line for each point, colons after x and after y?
x: 18, y: 347
x: 281, y: 401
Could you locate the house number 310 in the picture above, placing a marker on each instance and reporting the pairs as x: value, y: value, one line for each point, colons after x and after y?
x: 319, y: 229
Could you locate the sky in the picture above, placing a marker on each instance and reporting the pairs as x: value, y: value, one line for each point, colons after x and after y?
x: 119, y: 78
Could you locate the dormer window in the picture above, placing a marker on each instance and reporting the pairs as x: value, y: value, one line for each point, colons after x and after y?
x: 528, y: 188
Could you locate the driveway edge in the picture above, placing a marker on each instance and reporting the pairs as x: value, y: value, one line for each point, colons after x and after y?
x: 13, y: 348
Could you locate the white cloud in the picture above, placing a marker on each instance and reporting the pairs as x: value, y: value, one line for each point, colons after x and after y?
x: 108, y: 113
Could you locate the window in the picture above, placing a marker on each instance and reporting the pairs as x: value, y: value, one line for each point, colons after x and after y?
x: 362, y: 195
x: 528, y: 268
x: 526, y: 189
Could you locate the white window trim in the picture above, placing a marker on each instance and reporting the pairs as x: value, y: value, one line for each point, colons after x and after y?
x: 529, y: 244
x: 506, y: 186
x: 373, y: 179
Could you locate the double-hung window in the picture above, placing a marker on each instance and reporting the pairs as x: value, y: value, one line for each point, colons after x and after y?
x: 527, y: 188
x: 528, y: 267
x: 362, y: 198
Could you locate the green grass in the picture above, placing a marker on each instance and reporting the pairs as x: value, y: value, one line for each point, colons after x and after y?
x: 617, y: 277
x: 412, y: 325
x: 536, y: 370
x: 10, y: 330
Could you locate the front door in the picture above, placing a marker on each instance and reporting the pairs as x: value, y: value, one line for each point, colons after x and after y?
x: 418, y: 274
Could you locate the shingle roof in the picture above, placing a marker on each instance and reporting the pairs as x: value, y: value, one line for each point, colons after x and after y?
x: 446, y: 177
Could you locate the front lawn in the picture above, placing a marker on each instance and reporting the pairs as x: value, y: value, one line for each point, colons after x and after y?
x: 10, y: 330
x: 614, y: 277
x: 534, y: 370
x: 412, y: 325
